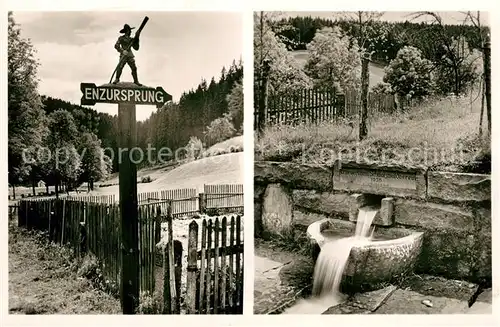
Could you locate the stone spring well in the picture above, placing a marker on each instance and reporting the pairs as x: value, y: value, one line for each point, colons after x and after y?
x: 446, y: 216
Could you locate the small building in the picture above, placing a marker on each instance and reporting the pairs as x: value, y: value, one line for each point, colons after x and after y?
x: 41, y: 184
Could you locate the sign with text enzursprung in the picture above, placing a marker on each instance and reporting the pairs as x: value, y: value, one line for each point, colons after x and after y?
x: 92, y: 94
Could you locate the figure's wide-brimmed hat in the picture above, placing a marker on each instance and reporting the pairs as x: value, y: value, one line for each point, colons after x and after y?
x: 126, y: 28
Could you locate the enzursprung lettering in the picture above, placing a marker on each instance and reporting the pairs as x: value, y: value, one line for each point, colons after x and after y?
x: 123, y: 95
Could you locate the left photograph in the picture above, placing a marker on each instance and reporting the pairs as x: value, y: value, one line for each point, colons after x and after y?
x: 125, y: 162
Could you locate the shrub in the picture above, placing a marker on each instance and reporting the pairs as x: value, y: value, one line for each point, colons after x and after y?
x: 220, y: 129
x: 149, y: 303
x: 146, y: 179
x: 194, y: 148
x: 409, y: 74
x: 382, y: 88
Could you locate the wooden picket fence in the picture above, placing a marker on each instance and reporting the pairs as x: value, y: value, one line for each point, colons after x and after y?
x: 223, y: 196
x: 185, y: 201
x: 215, y: 267
x: 319, y: 105
x: 84, y: 226
x: 94, y: 227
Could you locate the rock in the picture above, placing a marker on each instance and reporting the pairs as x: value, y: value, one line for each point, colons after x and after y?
x: 485, y: 296
x: 276, y: 210
x: 432, y: 215
x: 295, y: 176
x: 459, y: 186
x: 327, y: 203
x: 410, y: 302
x: 427, y: 303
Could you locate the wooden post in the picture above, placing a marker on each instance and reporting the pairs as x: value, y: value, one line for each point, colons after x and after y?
x: 487, y: 81
x: 192, y: 267
x: 264, y: 90
x: 203, y: 202
x: 363, y: 115
x: 178, y: 274
x: 171, y: 261
x: 128, y: 209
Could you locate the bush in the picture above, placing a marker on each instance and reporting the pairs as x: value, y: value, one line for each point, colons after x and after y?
x: 409, y: 74
x: 220, y: 129
x: 194, y: 148
x: 382, y: 88
x: 149, y: 304
x: 146, y: 179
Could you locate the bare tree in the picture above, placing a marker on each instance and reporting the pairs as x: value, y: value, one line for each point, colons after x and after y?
x: 364, y: 20
x: 475, y: 20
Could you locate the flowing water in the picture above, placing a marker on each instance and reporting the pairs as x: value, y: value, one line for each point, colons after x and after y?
x: 330, y: 267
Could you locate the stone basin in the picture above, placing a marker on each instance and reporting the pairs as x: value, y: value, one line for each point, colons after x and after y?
x: 393, y: 251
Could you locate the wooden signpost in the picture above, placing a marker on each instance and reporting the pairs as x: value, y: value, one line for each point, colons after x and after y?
x: 127, y: 96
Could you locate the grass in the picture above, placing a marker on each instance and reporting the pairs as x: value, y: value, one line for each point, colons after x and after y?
x: 437, y: 134
x: 44, y: 279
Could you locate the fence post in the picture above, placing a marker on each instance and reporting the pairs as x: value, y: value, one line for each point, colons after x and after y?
x: 63, y: 220
x: 203, y: 202
x: 192, y: 267
x: 264, y: 89
x: 178, y: 274
x: 167, y: 306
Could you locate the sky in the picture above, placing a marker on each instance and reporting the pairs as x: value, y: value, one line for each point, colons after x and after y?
x: 448, y: 17
x: 177, y: 50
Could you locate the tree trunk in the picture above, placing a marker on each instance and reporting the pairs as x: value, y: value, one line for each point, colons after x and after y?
x: 363, y: 116
x: 47, y: 188
x: 13, y: 191
x: 33, y: 186
x: 482, y: 110
x: 487, y: 81
x: 261, y: 121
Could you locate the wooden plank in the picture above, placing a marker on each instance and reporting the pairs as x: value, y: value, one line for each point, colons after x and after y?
x: 239, y: 272
x: 216, y: 265
x: 231, y: 267
x: 201, y: 302
x: 208, y: 272
x: 223, y: 264
x: 171, y: 266
x: 192, y: 268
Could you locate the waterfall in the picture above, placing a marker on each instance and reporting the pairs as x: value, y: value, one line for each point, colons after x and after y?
x: 330, y: 266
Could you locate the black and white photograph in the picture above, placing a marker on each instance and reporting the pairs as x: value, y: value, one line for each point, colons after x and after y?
x: 125, y: 162
x: 372, y: 162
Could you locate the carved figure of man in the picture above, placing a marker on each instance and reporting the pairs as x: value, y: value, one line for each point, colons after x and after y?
x: 124, y: 46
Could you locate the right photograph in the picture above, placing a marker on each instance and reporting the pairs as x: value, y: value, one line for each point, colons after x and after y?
x: 372, y: 172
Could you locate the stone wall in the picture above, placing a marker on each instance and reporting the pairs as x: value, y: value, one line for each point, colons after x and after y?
x: 453, y: 209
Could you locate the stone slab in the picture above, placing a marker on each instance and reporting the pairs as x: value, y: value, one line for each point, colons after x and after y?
x: 296, y: 176
x: 480, y: 308
x: 485, y: 296
x: 381, y: 181
x: 432, y: 215
x: 277, y: 210
x: 439, y: 287
x: 330, y: 204
x: 459, y: 186
x: 362, y: 303
x: 410, y: 302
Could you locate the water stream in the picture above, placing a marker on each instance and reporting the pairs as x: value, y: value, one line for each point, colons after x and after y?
x: 330, y: 267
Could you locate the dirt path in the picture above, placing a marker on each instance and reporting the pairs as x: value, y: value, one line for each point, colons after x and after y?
x: 43, y: 279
